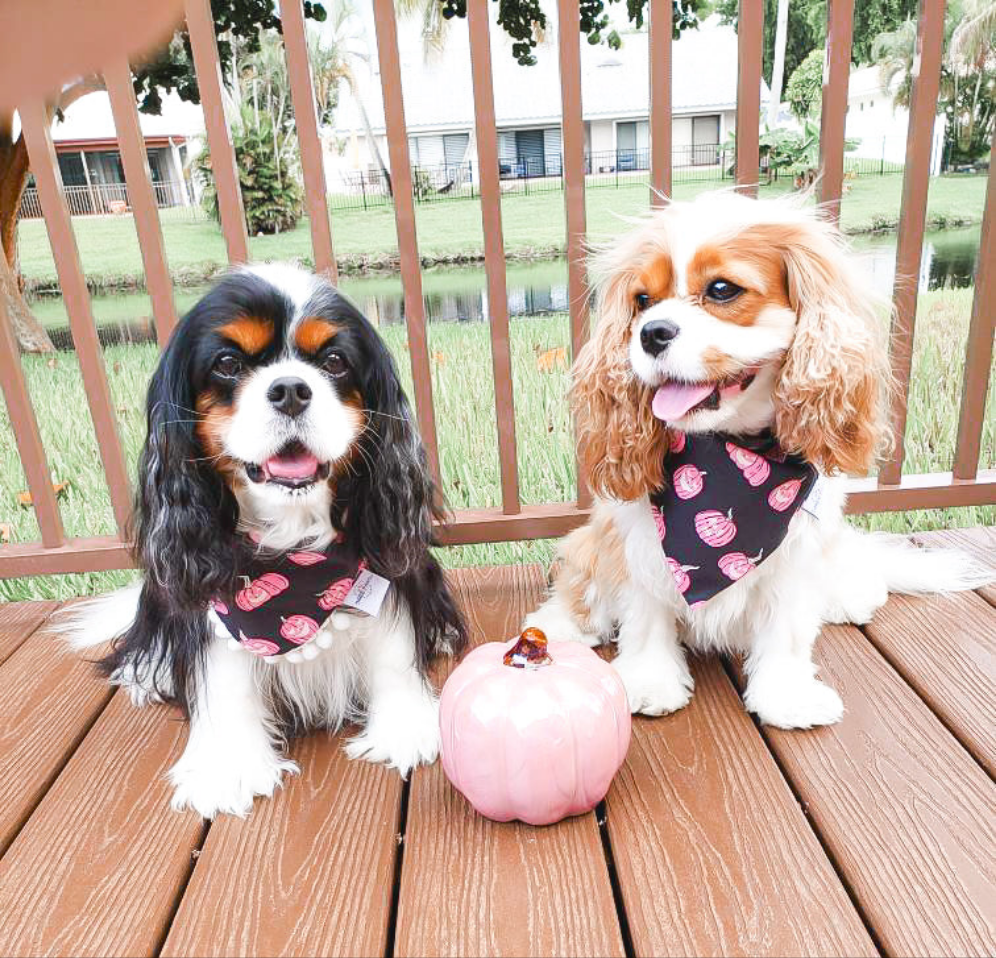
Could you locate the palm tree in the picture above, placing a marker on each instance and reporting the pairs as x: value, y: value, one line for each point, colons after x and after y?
x: 974, y: 39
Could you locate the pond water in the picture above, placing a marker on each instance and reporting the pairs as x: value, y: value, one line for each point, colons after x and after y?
x: 459, y: 294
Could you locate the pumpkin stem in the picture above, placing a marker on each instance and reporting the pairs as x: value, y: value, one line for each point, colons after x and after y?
x: 529, y: 652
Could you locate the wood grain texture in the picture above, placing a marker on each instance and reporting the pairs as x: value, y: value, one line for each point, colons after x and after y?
x: 309, y: 872
x: 945, y: 647
x: 98, y: 868
x: 18, y: 620
x: 474, y: 887
x: 49, y: 698
x: 980, y: 543
x: 904, y: 811
x: 713, y: 854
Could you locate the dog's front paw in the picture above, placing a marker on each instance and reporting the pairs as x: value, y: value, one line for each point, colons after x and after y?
x: 793, y: 702
x: 401, y: 735
x: 654, y: 687
x: 225, y: 783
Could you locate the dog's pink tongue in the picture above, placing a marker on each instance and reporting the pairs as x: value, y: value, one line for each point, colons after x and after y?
x: 675, y: 399
x: 298, y: 465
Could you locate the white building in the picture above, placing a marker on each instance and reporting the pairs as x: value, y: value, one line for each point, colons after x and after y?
x: 439, y: 104
x: 86, y: 145
x: 879, y: 126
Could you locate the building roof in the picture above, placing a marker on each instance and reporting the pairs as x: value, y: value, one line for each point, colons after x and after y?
x: 614, y: 83
x: 90, y: 119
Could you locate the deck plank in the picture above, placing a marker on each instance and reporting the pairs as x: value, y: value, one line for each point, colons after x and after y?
x: 979, y: 542
x: 902, y: 808
x: 945, y: 647
x: 473, y: 887
x: 100, y: 864
x: 309, y: 872
x: 18, y: 620
x: 49, y: 698
x: 714, y: 855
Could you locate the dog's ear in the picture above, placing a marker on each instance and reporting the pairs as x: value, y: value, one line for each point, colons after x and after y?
x: 392, y: 499
x: 185, y: 515
x: 830, y: 398
x: 621, y: 444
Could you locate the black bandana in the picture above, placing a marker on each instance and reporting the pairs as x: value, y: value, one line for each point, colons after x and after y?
x: 285, y: 598
x: 725, y: 508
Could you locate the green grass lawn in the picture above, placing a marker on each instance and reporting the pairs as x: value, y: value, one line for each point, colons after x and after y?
x: 533, y: 226
x: 461, y: 367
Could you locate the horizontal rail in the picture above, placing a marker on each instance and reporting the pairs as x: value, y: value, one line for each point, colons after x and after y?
x: 550, y: 520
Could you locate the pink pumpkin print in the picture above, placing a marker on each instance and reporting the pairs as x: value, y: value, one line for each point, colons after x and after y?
x: 299, y: 629
x: 735, y: 565
x: 306, y: 558
x: 677, y: 442
x: 332, y: 597
x: 258, y: 646
x: 757, y: 472
x: 781, y: 497
x: 659, y: 522
x: 260, y: 591
x: 714, y: 528
x: 688, y: 481
x: 680, y: 574
x: 219, y: 606
x: 742, y: 458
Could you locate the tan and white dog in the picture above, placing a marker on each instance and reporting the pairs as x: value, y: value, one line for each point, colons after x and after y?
x: 731, y: 317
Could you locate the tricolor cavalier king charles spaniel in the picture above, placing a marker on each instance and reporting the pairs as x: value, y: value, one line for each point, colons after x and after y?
x: 734, y: 374
x: 281, y: 463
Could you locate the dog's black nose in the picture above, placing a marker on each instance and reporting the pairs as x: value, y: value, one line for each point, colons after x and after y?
x: 289, y: 395
x: 656, y: 336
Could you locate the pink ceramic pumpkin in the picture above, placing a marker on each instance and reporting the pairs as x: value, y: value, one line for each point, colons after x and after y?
x: 531, y: 731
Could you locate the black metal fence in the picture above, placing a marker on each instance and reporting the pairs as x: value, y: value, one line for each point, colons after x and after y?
x: 525, y: 175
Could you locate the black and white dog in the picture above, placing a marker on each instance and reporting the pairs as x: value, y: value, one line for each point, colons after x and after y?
x: 281, y: 465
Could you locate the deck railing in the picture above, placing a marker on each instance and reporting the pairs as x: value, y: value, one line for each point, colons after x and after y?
x: 892, y: 490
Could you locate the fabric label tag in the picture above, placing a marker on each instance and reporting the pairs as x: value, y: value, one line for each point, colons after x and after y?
x: 812, y: 503
x: 368, y: 593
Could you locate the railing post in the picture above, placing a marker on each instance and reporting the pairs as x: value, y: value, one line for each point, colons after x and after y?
x: 750, y: 41
x: 659, y: 44
x: 833, y: 117
x: 916, y: 180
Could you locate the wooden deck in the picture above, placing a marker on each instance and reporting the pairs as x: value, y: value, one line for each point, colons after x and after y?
x: 718, y: 837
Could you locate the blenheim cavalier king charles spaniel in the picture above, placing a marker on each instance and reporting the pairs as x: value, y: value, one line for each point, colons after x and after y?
x: 283, y: 492
x: 735, y: 373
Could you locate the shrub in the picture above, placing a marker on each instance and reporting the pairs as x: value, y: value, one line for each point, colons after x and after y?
x: 271, y: 190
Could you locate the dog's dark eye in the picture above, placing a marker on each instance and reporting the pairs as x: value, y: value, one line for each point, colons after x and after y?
x: 722, y: 291
x: 642, y: 301
x: 335, y: 364
x: 227, y: 366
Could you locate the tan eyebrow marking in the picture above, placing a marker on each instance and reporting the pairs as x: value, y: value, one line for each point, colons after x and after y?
x: 251, y: 334
x: 313, y: 333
